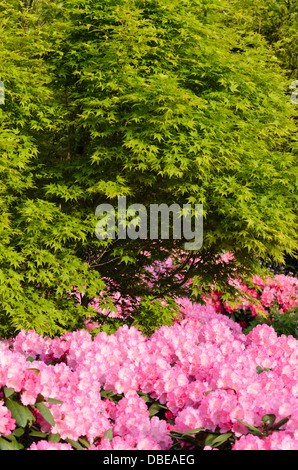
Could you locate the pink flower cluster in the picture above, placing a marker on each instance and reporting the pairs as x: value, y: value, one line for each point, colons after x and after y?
x: 7, y: 424
x: 202, y: 368
x: 45, y: 445
x: 276, y: 441
x: 263, y: 294
x: 280, y: 289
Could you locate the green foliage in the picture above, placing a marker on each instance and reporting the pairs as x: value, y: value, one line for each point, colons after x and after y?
x: 150, y: 314
x: 283, y: 323
x: 199, y: 438
x: 148, y: 99
x: 277, y: 21
x: 27, y: 430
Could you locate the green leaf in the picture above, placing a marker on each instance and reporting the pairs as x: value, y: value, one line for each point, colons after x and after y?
x: 106, y: 394
x: 18, y: 432
x: 84, y: 442
x: 260, y: 370
x: 108, y: 434
x: 38, y: 434
x: 30, y: 359
x: 54, y: 400
x: 39, y: 398
x: 8, y: 391
x: 54, y: 437
x: 252, y: 428
x: 280, y: 423
x: 187, y: 436
x: 110, y: 395
x: 6, y: 445
x: 45, y: 413
x: 156, y: 408
x: 215, y: 441
x: 192, y: 431
x: 74, y: 444
x: 10, y: 445
x: 145, y: 396
x: 19, y: 412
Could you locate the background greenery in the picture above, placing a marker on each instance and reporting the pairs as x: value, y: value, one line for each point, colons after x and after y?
x: 163, y: 101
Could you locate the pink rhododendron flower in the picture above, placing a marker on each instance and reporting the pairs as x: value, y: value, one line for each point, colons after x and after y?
x: 202, y: 369
x: 45, y: 445
x: 7, y: 423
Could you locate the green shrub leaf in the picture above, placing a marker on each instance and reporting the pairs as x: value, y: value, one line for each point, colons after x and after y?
x: 45, y: 413
x: 19, y: 412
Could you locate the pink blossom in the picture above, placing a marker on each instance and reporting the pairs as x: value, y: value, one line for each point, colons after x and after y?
x: 203, y: 369
x: 45, y: 445
x: 7, y: 424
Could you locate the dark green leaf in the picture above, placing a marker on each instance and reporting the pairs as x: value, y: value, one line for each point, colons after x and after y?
x: 8, y: 391
x: 251, y: 428
x: 38, y: 434
x: 74, y: 444
x: 30, y: 359
x: 19, y: 412
x: 192, y: 431
x: 215, y: 441
x: 145, y: 396
x: 18, y: 432
x: 280, y: 423
x: 106, y: 393
x: 84, y: 442
x: 9, y: 445
x: 108, y: 434
x: 45, y: 413
x: 54, y: 400
x: 39, y: 398
x: 156, y: 408
x: 54, y: 437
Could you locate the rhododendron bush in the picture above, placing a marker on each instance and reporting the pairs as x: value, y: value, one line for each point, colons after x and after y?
x: 272, y: 299
x: 263, y: 294
x: 197, y: 384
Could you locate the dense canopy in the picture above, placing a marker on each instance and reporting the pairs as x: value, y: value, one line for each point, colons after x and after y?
x: 161, y: 101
